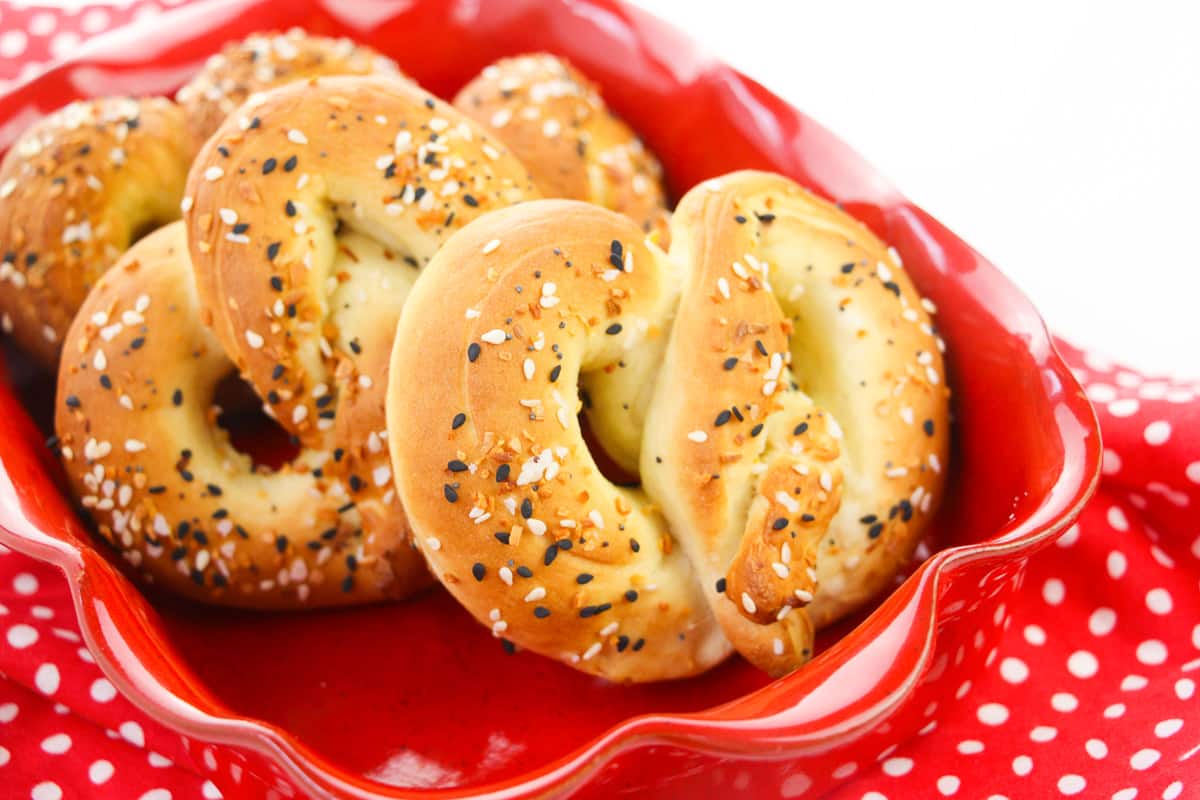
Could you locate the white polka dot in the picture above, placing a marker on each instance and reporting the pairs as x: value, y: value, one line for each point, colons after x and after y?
x: 1168, y: 728
x: 41, y: 612
x: 102, y: 691
x: 1022, y: 765
x: 1185, y: 688
x: 42, y: 24
x: 1134, y: 683
x: 210, y: 759
x: 1102, y: 621
x: 157, y: 760
x: 46, y: 790
x: 992, y: 714
x: 22, y: 636
x: 100, y: 771
x: 845, y: 770
x: 793, y: 786
x: 1082, y: 664
x: 1192, y: 472
x: 1064, y: 702
x: 874, y: 796
x: 94, y: 21
x: 969, y: 747
x: 132, y: 733
x: 1096, y: 748
x: 1116, y: 564
x: 5, y: 756
x: 1157, y: 432
x: 1117, y: 519
x: 25, y: 584
x: 896, y: 767
x: 1196, y: 637
x: 1144, y: 759
x: 1152, y: 652
x: 1035, y: 635
x: 1158, y: 600
x: 1043, y: 733
x: 156, y: 794
x: 1071, y: 784
x: 8, y: 712
x: 948, y: 785
x: 1053, y: 591
x: 1125, y: 407
x: 1125, y: 794
x: 12, y: 44
x: 1173, y: 790
x: 63, y: 43
x: 1111, y: 462
x: 1014, y: 670
x: 57, y: 744
x: 1101, y: 393
x: 47, y: 679
x: 1115, y: 711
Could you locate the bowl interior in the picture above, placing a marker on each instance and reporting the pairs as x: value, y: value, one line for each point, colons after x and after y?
x: 417, y: 694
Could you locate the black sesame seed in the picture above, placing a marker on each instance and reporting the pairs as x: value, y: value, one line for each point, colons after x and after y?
x: 470, y: 200
x: 583, y: 578
x: 214, y: 490
x: 272, y: 251
x: 502, y: 473
x: 281, y: 543
x: 478, y: 570
x: 241, y: 228
x: 927, y: 426
x: 290, y: 164
x: 616, y: 261
x: 289, y: 208
x: 502, y: 537
x: 631, y: 595
x: 591, y: 611
x: 348, y: 583
x: 541, y: 612
x: 137, y: 343
x: 760, y: 347
x: 526, y: 508
x: 634, y: 546
x: 551, y: 554
x: 473, y: 351
x: 767, y: 218
x: 72, y: 401
x: 720, y: 586
x: 458, y: 421
x: 756, y: 430
x: 622, y: 643
x: 269, y: 166
x: 892, y: 287
x: 177, y: 397
x: 524, y: 571
x: 639, y: 644
x: 740, y: 219
x: 355, y: 346
x: 508, y: 646
x: 807, y: 518
x: 875, y: 530
x: 106, y: 381
x: 450, y: 493
x: 554, y: 373
x: 614, y: 329
x: 868, y: 519
x: 847, y: 268
x: 722, y: 418
x: 800, y: 429
x: 779, y: 524
x: 457, y: 466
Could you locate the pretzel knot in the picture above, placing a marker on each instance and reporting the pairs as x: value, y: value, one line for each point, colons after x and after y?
x: 775, y: 379
x: 307, y: 216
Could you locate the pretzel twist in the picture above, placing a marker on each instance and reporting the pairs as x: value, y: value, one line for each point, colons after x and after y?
x: 790, y: 450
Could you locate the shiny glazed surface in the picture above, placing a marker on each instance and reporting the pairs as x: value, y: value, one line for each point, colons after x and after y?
x: 383, y: 701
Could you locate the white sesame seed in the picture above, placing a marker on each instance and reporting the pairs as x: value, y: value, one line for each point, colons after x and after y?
x: 494, y: 336
x: 723, y: 287
x: 100, y: 361
x: 134, y: 446
x: 551, y: 128
x: 506, y: 575
x: 253, y: 339
x: 804, y: 596
x: 826, y: 481
x: 748, y: 603
x: 777, y: 645
x: 592, y: 651
x: 299, y: 413
x: 214, y: 174
x: 535, y: 594
x: 491, y: 246
x: 536, y: 527
x: 781, y: 569
x: 473, y: 313
x: 381, y: 475
x: 228, y: 216
x: 527, y: 367
x: 433, y: 543
x: 501, y: 118
x: 185, y: 205
x: 9, y: 186
x: 698, y: 436
x: 297, y: 137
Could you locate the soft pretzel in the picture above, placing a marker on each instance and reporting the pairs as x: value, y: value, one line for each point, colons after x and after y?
x: 266, y: 60
x: 554, y: 119
x: 790, y: 458
x: 279, y: 218
x: 75, y: 190
x: 139, y: 439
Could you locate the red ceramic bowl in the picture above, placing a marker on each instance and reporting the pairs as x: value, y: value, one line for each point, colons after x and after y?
x: 415, y: 700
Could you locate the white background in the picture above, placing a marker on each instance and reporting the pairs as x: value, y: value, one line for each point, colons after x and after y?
x: 1060, y: 139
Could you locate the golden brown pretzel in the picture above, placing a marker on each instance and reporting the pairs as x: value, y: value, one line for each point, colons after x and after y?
x: 790, y: 456
x: 139, y: 439
x: 266, y: 60
x: 76, y: 190
x: 555, y: 121
x: 305, y: 230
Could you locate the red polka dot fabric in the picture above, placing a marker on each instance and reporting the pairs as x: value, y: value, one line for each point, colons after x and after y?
x: 1091, y: 692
